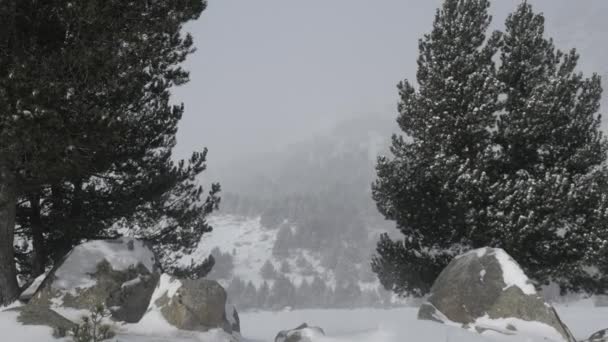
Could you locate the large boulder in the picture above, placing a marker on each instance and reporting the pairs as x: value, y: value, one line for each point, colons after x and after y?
x: 120, y: 274
x: 198, y: 305
x: 486, y: 290
x: 303, y: 333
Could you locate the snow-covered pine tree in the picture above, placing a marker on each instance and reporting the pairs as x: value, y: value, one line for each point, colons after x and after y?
x: 86, y: 124
x: 538, y: 186
x: 549, y: 199
x: 268, y: 271
x: 434, y: 185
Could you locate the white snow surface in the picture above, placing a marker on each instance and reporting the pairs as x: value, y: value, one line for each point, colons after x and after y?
x: 531, y: 330
x: 80, y: 264
x: 402, y: 325
x: 512, y: 273
x: 361, y: 325
x: 252, y: 242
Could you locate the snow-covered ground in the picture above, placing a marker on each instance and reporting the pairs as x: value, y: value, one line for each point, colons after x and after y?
x: 400, y: 325
x: 361, y: 325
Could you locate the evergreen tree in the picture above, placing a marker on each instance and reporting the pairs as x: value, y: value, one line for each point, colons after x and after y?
x: 303, y: 295
x: 283, y: 242
x: 434, y: 185
x: 268, y: 272
x: 285, y: 268
x: 223, y: 264
x: 263, y: 294
x: 87, y: 127
x: 249, y: 296
x: 548, y: 207
x: 235, y: 290
x: 318, y: 290
x: 283, y: 293
x: 526, y: 173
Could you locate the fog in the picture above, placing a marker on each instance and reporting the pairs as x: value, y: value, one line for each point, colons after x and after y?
x: 272, y: 72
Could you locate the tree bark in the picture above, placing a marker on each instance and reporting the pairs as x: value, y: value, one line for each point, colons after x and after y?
x: 9, y: 288
x: 40, y: 256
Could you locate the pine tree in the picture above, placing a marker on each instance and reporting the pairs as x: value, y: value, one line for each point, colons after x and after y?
x: 303, y: 295
x: 263, y: 294
x: 283, y: 242
x: 318, y: 290
x: 548, y: 208
x: 87, y: 127
x: 436, y: 178
x: 283, y: 293
x: 268, y: 272
x: 285, y: 268
x: 528, y: 175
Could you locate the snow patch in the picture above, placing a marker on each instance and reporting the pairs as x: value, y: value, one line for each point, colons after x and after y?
x: 167, y: 285
x: 31, y: 290
x: 79, y: 266
x: 512, y: 274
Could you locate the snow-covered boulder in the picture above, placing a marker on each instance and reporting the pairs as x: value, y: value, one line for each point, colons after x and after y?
x: 486, y: 291
x: 120, y: 274
x: 303, y: 333
x: 600, y: 336
x: 186, y: 304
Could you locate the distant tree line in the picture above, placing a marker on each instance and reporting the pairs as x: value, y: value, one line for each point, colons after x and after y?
x: 282, y: 293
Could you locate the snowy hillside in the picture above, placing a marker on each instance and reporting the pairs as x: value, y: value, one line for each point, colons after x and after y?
x: 244, y: 247
x: 245, y: 239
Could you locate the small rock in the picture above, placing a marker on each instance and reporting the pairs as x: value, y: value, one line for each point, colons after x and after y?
x: 600, y: 336
x: 303, y: 333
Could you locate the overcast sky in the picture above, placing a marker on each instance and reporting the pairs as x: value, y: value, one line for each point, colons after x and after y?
x: 271, y: 72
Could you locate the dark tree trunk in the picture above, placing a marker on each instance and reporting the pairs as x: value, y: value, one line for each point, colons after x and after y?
x: 9, y: 289
x: 40, y: 256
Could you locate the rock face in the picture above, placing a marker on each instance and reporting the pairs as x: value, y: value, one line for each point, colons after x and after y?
x: 193, y: 304
x: 486, y: 290
x: 121, y: 274
x: 600, y: 336
x: 303, y: 333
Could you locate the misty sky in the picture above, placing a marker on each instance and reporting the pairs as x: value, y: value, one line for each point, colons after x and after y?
x: 271, y: 72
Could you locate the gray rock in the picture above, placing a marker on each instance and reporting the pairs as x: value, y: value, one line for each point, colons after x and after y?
x: 600, y: 336
x: 121, y: 274
x: 474, y: 285
x: 299, y: 334
x: 197, y: 305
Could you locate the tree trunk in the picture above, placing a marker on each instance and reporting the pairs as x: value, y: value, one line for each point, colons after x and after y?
x: 40, y: 256
x: 9, y: 289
